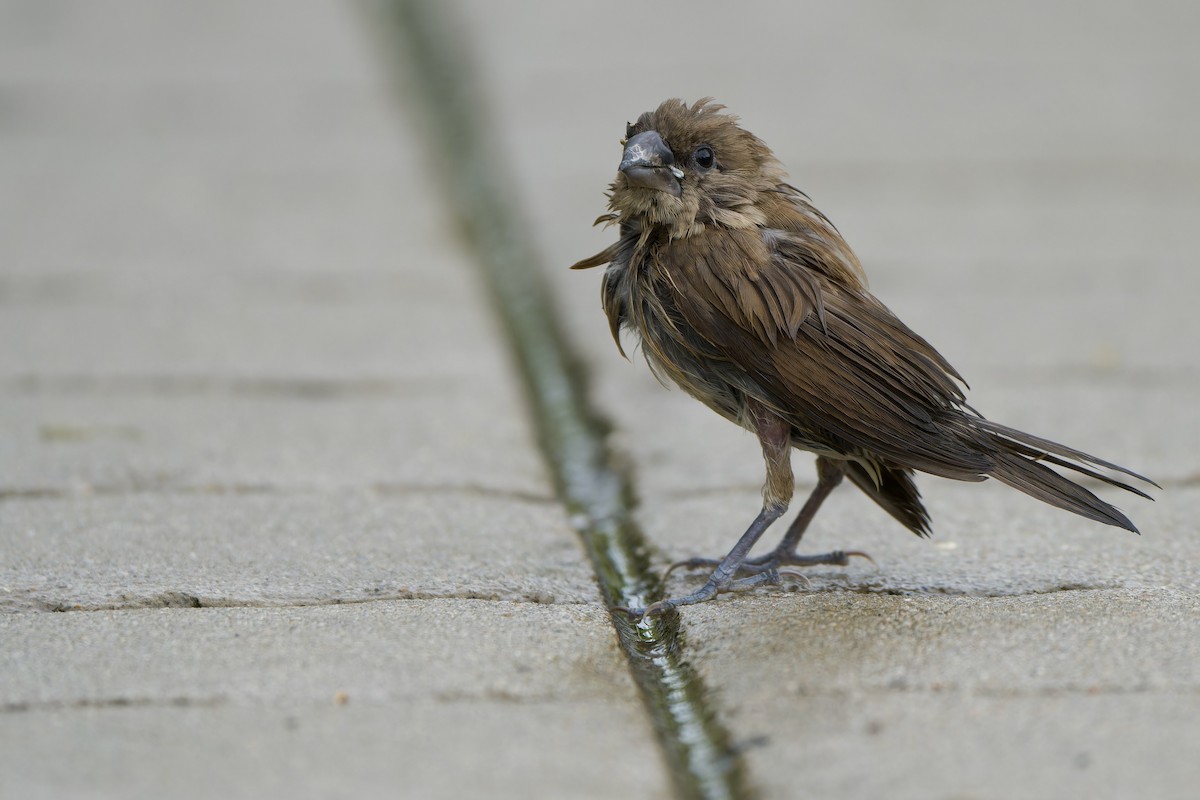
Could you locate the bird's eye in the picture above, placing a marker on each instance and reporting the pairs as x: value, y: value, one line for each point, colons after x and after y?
x: 704, y: 157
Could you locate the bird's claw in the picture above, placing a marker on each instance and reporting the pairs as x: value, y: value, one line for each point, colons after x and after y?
x: 792, y: 573
x: 652, y: 610
x: 690, y: 563
x: 860, y: 554
x: 661, y: 607
x: 836, y: 558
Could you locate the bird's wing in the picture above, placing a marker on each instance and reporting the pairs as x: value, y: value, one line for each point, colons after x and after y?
x: 828, y: 357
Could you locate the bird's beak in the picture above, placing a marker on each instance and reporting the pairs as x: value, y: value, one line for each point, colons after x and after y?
x: 648, y: 163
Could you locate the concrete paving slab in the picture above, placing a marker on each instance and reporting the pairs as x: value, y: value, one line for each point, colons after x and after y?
x: 1070, y: 693
x: 289, y: 434
x: 218, y: 548
x: 431, y: 699
x: 492, y: 747
x: 164, y: 334
x: 1064, y: 641
x: 1040, y: 745
x: 303, y: 656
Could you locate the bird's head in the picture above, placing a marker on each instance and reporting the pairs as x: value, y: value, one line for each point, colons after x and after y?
x: 686, y: 167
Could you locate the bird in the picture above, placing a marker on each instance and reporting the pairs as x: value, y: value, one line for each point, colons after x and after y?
x: 741, y: 292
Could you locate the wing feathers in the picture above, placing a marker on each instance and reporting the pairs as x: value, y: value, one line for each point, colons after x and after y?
x: 851, y: 377
x: 736, y: 313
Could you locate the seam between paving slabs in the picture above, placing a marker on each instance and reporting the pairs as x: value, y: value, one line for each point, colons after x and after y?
x: 431, y: 62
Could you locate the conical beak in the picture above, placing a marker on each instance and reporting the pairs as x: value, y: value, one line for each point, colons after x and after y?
x: 649, y: 163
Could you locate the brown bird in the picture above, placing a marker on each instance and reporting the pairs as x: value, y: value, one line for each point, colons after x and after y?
x: 747, y: 297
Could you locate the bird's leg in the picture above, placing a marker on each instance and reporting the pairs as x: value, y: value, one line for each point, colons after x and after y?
x: 775, y: 437
x: 829, y: 474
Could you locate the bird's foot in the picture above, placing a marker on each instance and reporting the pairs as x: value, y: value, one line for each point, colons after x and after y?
x: 763, y: 577
x: 774, y: 560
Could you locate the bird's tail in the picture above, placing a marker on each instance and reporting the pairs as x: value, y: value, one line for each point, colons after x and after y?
x: 894, y: 489
x: 1020, y: 461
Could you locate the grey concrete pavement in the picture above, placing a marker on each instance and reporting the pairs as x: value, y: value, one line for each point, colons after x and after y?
x: 245, y: 365
x: 1020, y: 186
x: 446, y: 698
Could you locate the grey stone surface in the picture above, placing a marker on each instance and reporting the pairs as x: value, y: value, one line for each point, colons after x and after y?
x: 441, y: 699
x: 262, y: 439
x: 1069, y: 693
x: 255, y: 435
x: 222, y: 549
x: 498, y: 749
x: 382, y: 652
x: 1019, y: 186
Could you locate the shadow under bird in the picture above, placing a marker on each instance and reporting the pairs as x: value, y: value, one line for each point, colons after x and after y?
x: 747, y: 297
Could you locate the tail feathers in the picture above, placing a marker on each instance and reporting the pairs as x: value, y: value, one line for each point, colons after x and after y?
x: 1018, y: 464
x: 1046, y: 485
x: 1038, y: 448
x: 896, y: 493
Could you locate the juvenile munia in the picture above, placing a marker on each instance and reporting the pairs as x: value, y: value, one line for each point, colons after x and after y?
x: 747, y: 297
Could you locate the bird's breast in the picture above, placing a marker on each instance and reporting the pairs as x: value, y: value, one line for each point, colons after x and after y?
x: 674, y: 350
